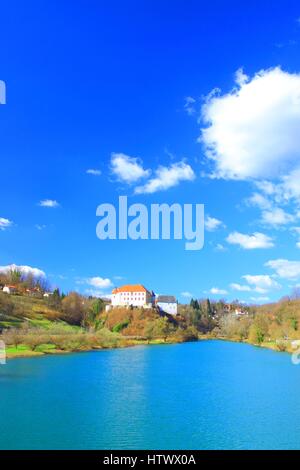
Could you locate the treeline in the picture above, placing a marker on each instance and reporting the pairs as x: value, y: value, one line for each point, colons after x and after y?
x: 57, y: 338
x: 73, y: 308
x: 275, y: 325
x: 76, y: 309
x: 24, y: 281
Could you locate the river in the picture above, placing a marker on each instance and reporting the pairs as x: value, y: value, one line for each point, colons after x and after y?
x: 203, y: 395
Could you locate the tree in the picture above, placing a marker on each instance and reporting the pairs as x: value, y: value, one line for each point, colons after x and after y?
x: 55, y: 300
x: 195, y: 304
x: 160, y: 328
x: 209, y: 310
x: 93, y: 312
x: 259, y: 329
x: 6, y: 305
x: 12, y: 337
x: 15, y: 276
x: 73, y: 307
x: 294, y: 323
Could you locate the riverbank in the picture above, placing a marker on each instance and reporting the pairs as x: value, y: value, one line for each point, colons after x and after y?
x: 23, y: 351
x: 272, y: 345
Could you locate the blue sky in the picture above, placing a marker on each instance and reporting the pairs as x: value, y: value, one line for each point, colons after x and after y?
x: 197, y: 103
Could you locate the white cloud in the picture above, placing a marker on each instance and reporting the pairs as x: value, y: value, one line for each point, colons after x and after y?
x: 283, y: 191
x: 258, y: 200
x: 5, y: 223
x: 267, y: 187
x: 220, y: 247
x: 127, y: 169
x: 99, y: 282
x: 240, y: 288
x: 276, y: 216
x: 284, y: 268
x: 167, y: 177
x: 187, y: 295
x: 217, y: 291
x: 289, y: 188
x: 93, y: 171
x: 253, y: 131
x: 98, y: 294
x: 23, y: 269
x: 240, y: 77
x: 189, y: 105
x: 262, y: 283
x: 40, y: 227
x: 49, y: 203
x: 250, y: 242
x: 212, y: 224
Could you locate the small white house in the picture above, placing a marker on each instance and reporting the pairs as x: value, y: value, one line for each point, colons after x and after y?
x: 48, y: 294
x: 167, y: 304
x: 240, y: 313
x: 9, y: 289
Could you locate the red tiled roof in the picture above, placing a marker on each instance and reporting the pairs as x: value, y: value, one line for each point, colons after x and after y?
x: 130, y: 288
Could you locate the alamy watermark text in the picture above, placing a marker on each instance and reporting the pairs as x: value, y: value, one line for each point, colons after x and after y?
x: 2, y: 92
x: 162, y: 221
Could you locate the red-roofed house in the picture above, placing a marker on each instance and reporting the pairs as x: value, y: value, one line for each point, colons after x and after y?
x: 135, y: 295
x: 10, y: 289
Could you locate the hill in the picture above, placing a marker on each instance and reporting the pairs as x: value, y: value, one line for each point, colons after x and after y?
x: 34, y: 326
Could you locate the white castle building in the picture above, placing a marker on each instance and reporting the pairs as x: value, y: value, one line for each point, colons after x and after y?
x: 132, y: 295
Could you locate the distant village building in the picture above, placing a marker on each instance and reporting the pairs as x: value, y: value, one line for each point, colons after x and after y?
x: 132, y: 295
x: 167, y: 304
x: 33, y: 292
x: 10, y: 289
x: 48, y: 294
x: 240, y: 313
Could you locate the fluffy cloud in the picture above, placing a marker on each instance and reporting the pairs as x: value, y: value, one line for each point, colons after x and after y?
x: 253, y: 131
x: 285, y: 269
x: 127, y: 169
x: 49, y: 203
x: 271, y: 214
x: 217, y: 291
x: 262, y: 283
x: 23, y: 269
x: 277, y: 216
x: 212, y: 224
x: 99, y: 282
x: 250, y: 242
x: 5, y: 223
x: 240, y: 288
x: 259, y: 200
x: 167, y: 177
x: 93, y: 171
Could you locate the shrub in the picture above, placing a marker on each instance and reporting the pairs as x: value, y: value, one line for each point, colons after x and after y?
x: 120, y: 326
